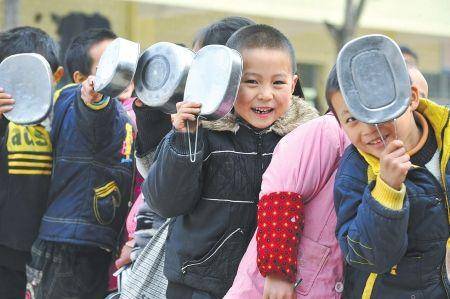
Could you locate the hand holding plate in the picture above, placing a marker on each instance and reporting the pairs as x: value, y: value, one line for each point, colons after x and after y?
x: 88, y: 94
x: 6, y: 102
x: 186, y: 112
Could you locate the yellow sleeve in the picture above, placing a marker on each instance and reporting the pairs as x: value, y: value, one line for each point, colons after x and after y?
x: 388, y: 196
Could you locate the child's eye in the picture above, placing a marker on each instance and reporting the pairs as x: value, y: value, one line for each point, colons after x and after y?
x: 251, y: 81
x: 350, y: 119
x: 279, y: 82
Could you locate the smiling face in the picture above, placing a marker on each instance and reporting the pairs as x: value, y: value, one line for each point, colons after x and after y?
x: 266, y: 87
x: 366, y: 137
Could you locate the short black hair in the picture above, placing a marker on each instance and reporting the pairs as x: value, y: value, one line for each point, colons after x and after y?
x: 262, y: 36
x: 408, y: 51
x: 220, y: 31
x: 77, y: 55
x: 29, y: 40
x: 332, y: 87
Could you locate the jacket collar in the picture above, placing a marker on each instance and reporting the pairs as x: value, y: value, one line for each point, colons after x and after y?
x: 299, y: 112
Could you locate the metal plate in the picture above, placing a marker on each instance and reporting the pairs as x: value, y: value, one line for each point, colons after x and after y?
x: 161, y: 75
x: 116, y: 67
x: 213, y: 80
x: 28, y: 78
x: 373, y: 78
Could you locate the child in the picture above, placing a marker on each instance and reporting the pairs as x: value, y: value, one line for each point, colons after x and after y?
x: 90, y: 189
x: 25, y: 167
x: 213, y: 200
x: 391, y: 202
x: 154, y: 125
x: 84, y: 52
x: 297, y: 185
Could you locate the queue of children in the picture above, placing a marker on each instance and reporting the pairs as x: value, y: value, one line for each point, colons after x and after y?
x: 279, y: 203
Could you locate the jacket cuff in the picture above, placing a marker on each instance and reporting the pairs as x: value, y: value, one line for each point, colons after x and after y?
x: 388, y: 196
x: 98, y: 105
x: 280, y: 223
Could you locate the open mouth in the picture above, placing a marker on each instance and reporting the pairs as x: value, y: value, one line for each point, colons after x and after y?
x: 378, y: 140
x: 262, y: 110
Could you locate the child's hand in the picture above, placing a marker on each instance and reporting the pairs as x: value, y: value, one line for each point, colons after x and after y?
x: 138, y: 103
x: 277, y: 288
x: 88, y: 95
x: 124, y: 258
x: 186, y: 111
x: 394, y: 164
x: 6, y: 102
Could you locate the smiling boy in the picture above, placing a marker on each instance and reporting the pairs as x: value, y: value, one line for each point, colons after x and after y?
x: 391, y: 201
x: 213, y: 201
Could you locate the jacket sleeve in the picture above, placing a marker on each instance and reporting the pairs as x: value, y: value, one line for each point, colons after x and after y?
x: 152, y: 126
x: 302, y: 164
x: 96, y: 121
x: 372, y: 236
x: 174, y: 183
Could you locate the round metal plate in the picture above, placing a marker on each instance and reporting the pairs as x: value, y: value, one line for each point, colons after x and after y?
x: 214, y: 80
x: 373, y: 78
x: 116, y: 67
x: 161, y: 75
x: 28, y: 78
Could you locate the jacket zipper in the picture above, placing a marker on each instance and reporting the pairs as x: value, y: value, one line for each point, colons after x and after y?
x: 259, y: 151
x: 203, y: 260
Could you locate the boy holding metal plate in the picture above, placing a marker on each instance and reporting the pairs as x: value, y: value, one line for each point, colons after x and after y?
x: 212, y: 193
x: 25, y: 151
x: 391, y: 187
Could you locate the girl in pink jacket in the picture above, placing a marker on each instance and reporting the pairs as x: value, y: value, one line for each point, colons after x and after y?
x: 295, y: 247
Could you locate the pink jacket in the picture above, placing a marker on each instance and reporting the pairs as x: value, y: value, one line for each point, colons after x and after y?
x: 305, y: 162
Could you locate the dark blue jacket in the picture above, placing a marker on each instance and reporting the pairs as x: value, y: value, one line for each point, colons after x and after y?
x: 395, y: 253
x: 92, y: 173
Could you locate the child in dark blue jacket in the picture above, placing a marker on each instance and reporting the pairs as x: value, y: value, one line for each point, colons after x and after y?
x: 391, y: 201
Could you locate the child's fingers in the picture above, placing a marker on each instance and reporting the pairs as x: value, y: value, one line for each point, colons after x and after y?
x: 4, y: 109
x: 138, y: 103
x: 398, y: 152
x: 393, y: 145
x: 4, y: 95
x: 6, y: 101
x: 189, y: 110
x: 187, y: 116
x: 403, y: 158
x: 181, y: 105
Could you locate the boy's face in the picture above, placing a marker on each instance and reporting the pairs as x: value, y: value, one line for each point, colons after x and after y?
x: 366, y: 137
x: 96, y: 52
x: 266, y: 87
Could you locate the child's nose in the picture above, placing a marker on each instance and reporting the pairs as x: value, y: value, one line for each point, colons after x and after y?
x: 265, y: 93
x: 368, y: 129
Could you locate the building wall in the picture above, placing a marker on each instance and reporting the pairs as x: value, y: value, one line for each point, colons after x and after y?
x: 150, y: 23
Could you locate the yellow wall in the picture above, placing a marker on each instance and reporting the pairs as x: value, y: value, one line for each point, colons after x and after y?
x: 150, y: 23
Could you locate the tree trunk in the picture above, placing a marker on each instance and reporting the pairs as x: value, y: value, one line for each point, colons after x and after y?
x: 343, y: 34
x: 11, y: 14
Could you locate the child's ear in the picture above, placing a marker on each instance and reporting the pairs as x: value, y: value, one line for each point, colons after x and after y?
x: 294, y: 81
x: 414, y: 98
x: 57, y: 76
x: 78, y: 77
